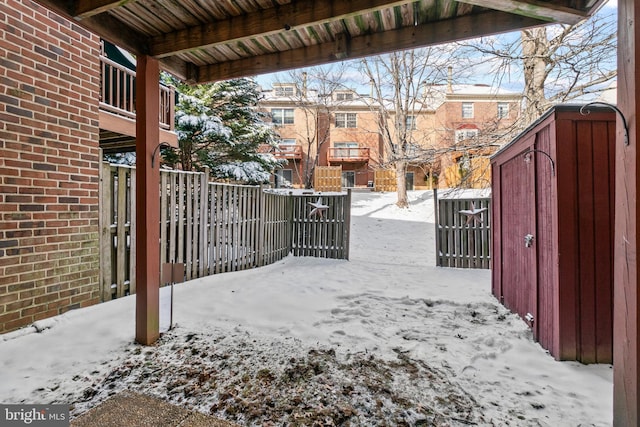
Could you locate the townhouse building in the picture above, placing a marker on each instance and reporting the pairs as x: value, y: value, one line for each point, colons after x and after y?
x: 451, y: 133
x: 471, y: 123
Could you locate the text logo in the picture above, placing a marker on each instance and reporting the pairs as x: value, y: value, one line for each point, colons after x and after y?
x: 34, y: 415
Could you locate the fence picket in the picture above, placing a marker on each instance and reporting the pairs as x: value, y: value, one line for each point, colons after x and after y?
x: 203, y: 222
x: 132, y: 231
x: 163, y: 219
x: 181, y: 225
x: 121, y: 246
x: 172, y: 216
x: 212, y: 229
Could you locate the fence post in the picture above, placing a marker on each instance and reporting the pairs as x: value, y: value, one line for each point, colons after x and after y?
x: 121, y: 248
x: 347, y: 225
x: 289, y: 234
x: 106, y: 241
x: 204, y: 193
x: 261, y: 226
x: 437, y: 225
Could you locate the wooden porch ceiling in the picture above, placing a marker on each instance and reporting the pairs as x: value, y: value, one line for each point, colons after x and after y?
x: 206, y: 40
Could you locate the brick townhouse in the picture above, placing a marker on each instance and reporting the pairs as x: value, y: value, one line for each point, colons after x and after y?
x: 54, y: 114
x: 49, y: 87
x: 452, y: 120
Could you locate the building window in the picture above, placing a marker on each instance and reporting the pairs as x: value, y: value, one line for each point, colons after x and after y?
x: 282, y: 116
x: 467, y: 110
x: 288, y: 141
x: 464, y: 166
x: 284, y: 178
x: 285, y: 91
x: 463, y: 134
x: 503, y: 110
x: 344, y: 96
x: 348, y: 179
x: 411, y: 123
x: 346, y: 120
x: 412, y: 150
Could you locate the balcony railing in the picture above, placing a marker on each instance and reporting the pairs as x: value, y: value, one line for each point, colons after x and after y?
x: 346, y: 155
x: 284, y: 151
x: 117, y: 95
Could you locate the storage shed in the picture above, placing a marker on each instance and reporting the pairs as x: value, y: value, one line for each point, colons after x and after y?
x: 553, y: 221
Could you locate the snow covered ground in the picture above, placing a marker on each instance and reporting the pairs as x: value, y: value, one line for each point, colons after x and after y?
x: 385, y: 338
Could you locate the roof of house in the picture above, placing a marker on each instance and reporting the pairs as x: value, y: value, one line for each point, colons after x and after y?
x: 436, y: 95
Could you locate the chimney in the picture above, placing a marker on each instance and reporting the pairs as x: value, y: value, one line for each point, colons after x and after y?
x: 450, y: 79
x: 304, y: 84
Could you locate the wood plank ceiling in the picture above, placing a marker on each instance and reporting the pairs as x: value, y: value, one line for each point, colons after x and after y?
x: 207, y: 40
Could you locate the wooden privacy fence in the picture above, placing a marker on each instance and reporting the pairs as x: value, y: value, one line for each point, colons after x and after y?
x: 327, y: 178
x: 463, y: 232
x: 215, y: 228
x: 478, y: 175
x: 385, y: 180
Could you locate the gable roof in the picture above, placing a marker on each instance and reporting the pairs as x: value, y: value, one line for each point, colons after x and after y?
x: 200, y: 41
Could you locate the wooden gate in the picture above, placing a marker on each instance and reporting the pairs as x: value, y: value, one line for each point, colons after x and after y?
x: 385, y: 180
x: 325, y: 234
x: 117, y: 231
x: 327, y: 179
x: 463, y: 232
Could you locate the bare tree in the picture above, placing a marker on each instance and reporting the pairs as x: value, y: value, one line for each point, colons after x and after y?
x: 558, y: 63
x: 399, y: 91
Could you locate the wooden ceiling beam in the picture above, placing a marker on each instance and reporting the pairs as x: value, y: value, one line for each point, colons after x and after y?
x: 87, y: 8
x: 127, y: 38
x: 543, y: 10
x: 291, y: 16
x: 104, y: 25
x: 461, y: 28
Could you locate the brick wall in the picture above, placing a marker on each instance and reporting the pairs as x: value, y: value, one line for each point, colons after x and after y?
x: 49, y: 158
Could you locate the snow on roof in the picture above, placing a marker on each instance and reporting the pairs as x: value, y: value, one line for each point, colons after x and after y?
x: 436, y: 95
x: 474, y: 89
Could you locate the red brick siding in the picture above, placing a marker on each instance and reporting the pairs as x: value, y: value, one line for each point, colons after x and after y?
x: 49, y: 163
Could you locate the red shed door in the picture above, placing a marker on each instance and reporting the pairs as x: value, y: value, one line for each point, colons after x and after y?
x: 518, y: 240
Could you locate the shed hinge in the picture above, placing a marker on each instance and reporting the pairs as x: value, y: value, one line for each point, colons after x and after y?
x: 529, y: 318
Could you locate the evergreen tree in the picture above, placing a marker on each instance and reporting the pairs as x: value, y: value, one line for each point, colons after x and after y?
x: 219, y: 127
